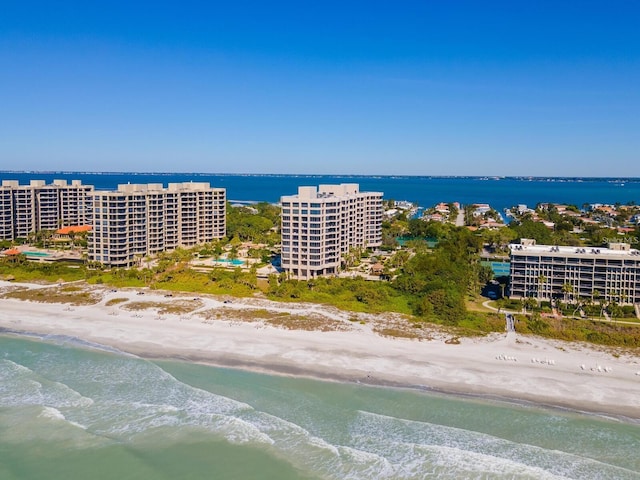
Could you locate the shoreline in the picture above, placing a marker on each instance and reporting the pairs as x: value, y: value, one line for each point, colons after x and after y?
x: 524, y: 370
x: 534, y: 402
x: 623, y: 415
x: 335, y: 378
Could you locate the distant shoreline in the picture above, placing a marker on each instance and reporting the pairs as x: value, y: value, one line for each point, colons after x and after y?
x: 527, y: 178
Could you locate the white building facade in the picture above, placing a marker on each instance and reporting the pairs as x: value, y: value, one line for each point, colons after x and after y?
x: 140, y: 220
x: 603, y: 274
x: 321, y: 224
x: 26, y: 209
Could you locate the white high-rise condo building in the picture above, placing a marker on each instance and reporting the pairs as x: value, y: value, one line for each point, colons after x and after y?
x: 321, y: 224
x: 140, y: 220
x: 603, y: 274
x: 25, y: 209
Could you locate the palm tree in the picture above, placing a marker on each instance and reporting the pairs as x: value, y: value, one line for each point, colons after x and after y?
x: 579, y: 307
x: 400, y: 258
x: 603, y: 306
x: 614, y: 310
x: 595, y: 298
x: 588, y: 303
x: 622, y: 297
x: 529, y: 303
x: 348, y: 259
x: 217, y: 250
x: 542, y: 280
x: 567, y: 289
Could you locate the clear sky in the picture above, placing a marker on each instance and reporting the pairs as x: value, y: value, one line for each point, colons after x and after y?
x: 544, y: 88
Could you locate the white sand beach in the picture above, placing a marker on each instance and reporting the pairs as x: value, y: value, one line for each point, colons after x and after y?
x: 510, y: 366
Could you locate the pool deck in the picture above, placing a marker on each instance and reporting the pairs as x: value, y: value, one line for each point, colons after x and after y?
x: 44, y: 255
x: 224, y: 263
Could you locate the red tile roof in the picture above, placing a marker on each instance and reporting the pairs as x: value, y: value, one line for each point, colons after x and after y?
x: 73, y: 229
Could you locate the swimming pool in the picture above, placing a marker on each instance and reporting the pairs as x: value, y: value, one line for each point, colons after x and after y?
x: 36, y: 254
x: 235, y: 261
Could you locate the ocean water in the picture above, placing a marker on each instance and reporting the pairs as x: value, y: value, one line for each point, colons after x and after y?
x: 500, y: 193
x: 70, y: 411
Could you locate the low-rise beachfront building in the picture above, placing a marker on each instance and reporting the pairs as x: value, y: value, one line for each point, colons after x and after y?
x: 140, y: 220
x: 321, y: 224
x: 68, y: 234
x: 602, y: 274
x: 25, y: 209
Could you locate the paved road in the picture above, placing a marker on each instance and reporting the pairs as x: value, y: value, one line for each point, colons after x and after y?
x: 460, y: 218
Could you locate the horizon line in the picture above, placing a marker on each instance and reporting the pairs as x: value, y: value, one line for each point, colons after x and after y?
x: 345, y: 175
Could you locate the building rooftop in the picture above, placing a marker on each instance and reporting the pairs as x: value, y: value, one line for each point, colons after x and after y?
x: 617, y: 250
x: 73, y: 229
x: 328, y: 191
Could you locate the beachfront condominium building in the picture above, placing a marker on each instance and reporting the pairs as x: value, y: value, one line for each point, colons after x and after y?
x: 545, y: 272
x: 140, y: 220
x: 320, y: 225
x: 25, y: 209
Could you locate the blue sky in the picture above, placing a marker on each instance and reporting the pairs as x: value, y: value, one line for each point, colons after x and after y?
x: 425, y: 87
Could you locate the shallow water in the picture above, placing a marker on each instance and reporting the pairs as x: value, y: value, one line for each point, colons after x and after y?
x: 72, y: 411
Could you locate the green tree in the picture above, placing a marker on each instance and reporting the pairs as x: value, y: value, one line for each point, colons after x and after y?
x: 615, y: 310
x: 485, y: 275
x: 529, y: 304
x: 534, y: 230
x: 542, y: 281
x: 567, y: 290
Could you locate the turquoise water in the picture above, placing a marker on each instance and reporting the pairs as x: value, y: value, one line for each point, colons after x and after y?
x: 431, y: 242
x: 235, y: 261
x: 37, y: 254
x: 72, y: 411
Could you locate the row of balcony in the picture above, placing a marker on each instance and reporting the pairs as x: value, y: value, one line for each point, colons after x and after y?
x: 555, y: 262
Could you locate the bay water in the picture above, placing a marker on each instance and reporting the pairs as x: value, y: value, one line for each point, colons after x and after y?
x: 426, y: 191
x: 71, y: 410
